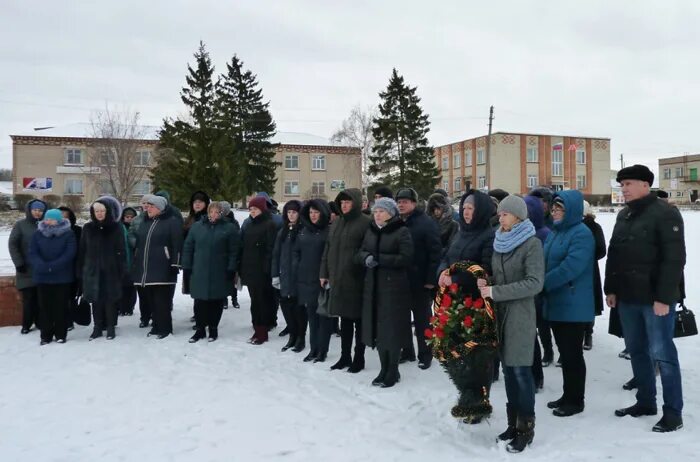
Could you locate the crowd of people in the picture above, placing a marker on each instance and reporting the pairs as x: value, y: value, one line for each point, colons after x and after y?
x: 376, y: 270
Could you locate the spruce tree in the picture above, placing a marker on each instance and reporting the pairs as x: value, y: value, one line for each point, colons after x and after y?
x: 401, y: 155
x: 248, y: 126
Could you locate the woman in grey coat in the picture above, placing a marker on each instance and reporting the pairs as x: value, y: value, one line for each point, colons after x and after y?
x: 518, y: 275
x: 18, y: 243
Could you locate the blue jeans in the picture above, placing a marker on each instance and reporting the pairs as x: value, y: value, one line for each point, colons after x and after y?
x: 649, y: 340
x: 520, y: 389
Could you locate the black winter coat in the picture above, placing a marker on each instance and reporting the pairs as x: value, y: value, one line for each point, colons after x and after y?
x: 646, y: 255
x: 308, y: 251
x: 600, y: 251
x: 338, y: 264
x: 425, y: 235
x: 386, y: 301
x: 102, y: 259
x: 158, y: 246
x: 474, y: 242
x: 282, y: 259
x: 257, y: 244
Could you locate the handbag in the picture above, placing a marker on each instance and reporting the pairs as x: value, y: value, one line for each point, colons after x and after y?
x: 685, y: 323
x: 324, y: 302
x: 82, y: 314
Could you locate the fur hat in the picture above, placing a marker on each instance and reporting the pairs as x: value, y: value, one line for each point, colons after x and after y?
x: 636, y: 172
x: 407, y: 193
x: 514, y: 205
x: 498, y: 194
x: 387, y: 204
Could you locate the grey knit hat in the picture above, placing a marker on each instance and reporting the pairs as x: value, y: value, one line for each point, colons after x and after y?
x: 514, y: 205
x: 158, y: 202
x: 387, y: 204
x: 225, y: 208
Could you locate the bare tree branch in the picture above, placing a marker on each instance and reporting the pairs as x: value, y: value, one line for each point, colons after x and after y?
x: 356, y: 131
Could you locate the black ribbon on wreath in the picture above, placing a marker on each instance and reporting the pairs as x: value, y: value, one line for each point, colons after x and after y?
x: 463, y: 335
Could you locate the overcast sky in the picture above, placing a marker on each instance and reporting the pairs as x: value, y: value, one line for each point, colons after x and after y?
x: 627, y: 70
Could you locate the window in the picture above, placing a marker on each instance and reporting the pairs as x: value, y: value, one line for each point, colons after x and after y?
x: 679, y: 172
x: 104, y: 187
x: 108, y: 157
x: 143, y: 159
x: 667, y: 173
x: 73, y: 187
x: 291, y: 188
x: 446, y: 185
x: 458, y: 184
x: 581, y: 157
x: 445, y: 162
x: 318, y: 162
x: 74, y: 157
x: 480, y: 156
x: 291, y: 162
x: 580, y: 181
x: 141, y: 188
x: 468, y: 159
x: 532, y: 181
x: 456, y: 160
x: 531, y: 155
x: 318, y: 188
x: 482, y: 182
x: 557, y: 162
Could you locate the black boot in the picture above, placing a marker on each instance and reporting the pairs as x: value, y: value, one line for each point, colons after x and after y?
x: 588, y: 342
x: 110, y: 333
x: 631, y: 384
x: 96, y: 333
x: 198, y: 335
x: 547, y: 357
x: 379, y: 380
x: 290, y: 343
x: 510, y: 432
x: 556, y: 403
x: 343, y: 362
x: 524, y: 434
x: 568, y: 409
x: 668, y: 423
x: 299, y: 345
x: 358, y: 362
x: 213, y: 334
x: 311, y: 356
x: 407, y: 355
x: 283, y: 332
x: 392, y: 376
x: 321, y: 358
x: 143, y: 324
x: 635, y: 410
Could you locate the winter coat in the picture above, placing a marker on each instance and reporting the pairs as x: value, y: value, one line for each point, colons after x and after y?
x: 231, y: 218
x: 338, y: 263
x: 158, y: 246
x: 448, y: 226
x: 600, y: 251
x: 535, y: 212
x: 427, y: 250
x: 171, y: 209
x: 308, y: 251
x: 255, y: 257
x: 474, y: 242
x: 195, y: 217
x: 52, y: 254
x: 647, y: 253
x: 77, y: 230
x: 518, y: 277
x: 133, y: 229
x: 209, y: 255
x: 569, y: 254
x: 282, y: 255
x: 386, y: 298
x: 18, y: 243
x: 102, y: 258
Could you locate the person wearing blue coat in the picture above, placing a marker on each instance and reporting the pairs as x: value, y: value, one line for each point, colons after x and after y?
x: 52, y: 258
x: 569, y: 253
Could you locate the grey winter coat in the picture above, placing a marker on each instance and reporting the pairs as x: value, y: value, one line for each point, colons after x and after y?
x: 18, y: 243
x: 518, y: 276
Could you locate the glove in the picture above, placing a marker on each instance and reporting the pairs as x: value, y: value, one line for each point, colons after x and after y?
x: 276, y: 283
x: 370, y: 262
x: 174, y: 270
x: 21, y: 268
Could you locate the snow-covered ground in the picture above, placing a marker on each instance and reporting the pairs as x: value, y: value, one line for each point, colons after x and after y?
x: 140, y: 399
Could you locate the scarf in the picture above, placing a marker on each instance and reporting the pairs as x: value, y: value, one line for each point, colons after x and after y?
x: 507, y: 241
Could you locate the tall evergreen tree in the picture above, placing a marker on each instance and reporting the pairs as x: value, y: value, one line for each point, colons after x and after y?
x: 401, y: 156
x: 189, y: 156
x: 246, y: 120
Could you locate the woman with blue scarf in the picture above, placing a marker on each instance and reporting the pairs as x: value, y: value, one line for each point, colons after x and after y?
x: 518, y: 275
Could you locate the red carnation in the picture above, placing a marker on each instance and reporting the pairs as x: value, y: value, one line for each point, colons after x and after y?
x: 453, y: 288
x: 428, y: 333
x: 439, y: 333
x: 443, y: 319
x: 446, y: 301
x: 479, y: 303
x: 433, y: 320
x: 468, y: 322
x: 468, y: 302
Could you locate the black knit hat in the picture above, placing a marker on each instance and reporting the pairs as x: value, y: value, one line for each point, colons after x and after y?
x: 499, y: 194
x: 407, y: 193
x: 661, y: 194
x: 384, y: 191
x: 636, y: 172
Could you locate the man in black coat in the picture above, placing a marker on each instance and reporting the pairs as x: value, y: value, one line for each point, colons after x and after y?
x: 646, y: 257
x: 600, y: 251
x: 422, y: 273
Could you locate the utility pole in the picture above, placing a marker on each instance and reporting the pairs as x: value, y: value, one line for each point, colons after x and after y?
x: 622, y: 161
x: 488, y: 147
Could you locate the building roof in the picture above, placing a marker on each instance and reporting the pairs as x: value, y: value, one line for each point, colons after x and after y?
x: 526, y: 134
x: 84, y: 130
x: 679, y: 159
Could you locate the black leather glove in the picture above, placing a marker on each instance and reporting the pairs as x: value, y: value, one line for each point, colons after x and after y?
x: 21, y: 268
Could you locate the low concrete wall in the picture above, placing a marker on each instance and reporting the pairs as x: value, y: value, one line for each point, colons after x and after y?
x: 10, y: 302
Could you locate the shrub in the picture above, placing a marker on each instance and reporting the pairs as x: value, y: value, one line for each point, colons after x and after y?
x: 52, y: 200
x: 22, y: 199
x: 73, y: 202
